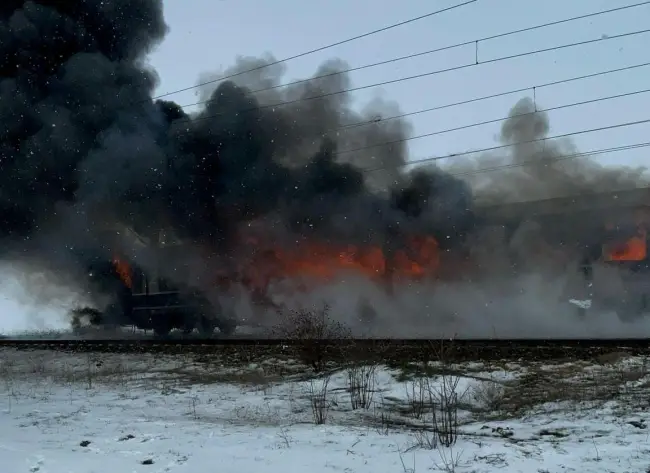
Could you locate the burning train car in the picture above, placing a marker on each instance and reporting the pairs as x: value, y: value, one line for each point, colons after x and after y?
x: 148, y: 300
x: 151, y: 301
x: 610, y: 234
x: 607, y: 235
x: 266, y: 271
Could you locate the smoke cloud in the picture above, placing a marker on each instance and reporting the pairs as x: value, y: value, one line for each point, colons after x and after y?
x: 86, y: 154
x: 31, y: 301
x: 549, y: 175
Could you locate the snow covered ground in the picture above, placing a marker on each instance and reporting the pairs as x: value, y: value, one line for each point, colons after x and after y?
x: 71, y: 413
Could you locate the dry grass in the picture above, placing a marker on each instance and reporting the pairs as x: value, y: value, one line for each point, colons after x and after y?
x: 580, y: 382
x: 611, y: 377
x: 167, y: 375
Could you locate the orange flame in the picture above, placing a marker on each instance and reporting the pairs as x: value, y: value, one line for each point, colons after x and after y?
x: 312, y: 263
x: 317, y: 262
x: 124, y: 271
x: 634, y: 249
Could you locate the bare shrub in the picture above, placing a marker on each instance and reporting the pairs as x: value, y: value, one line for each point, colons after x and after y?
x: 449, y: 461
x: 426, y: 439
x: 285, y: 439
x: 361, y: 384
x: 91, y: 366
x: 406, y: 469
x: 416, y: 397
x: 193, y: 401
x: 7, y: 370
x: 382, y: 418
x: 318, y: 397
x: 445, y: 399
x: 488, y: 395
x: 442, y: 396
x: 442, y: 352
x: 319, y: 337
x: 311, y: 325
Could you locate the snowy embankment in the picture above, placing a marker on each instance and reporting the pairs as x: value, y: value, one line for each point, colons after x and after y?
x: 63, y: 413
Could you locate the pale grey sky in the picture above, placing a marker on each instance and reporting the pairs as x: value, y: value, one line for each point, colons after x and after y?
x: 207, y: 35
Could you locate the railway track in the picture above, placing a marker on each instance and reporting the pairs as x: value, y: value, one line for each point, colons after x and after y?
x: 382, y: 349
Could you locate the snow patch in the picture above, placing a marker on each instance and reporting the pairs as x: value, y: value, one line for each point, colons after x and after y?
x: 66, y: 412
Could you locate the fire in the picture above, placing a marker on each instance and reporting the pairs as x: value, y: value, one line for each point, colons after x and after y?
x: 317, y: 263
x: 421, y: 258
x: 311, y: 263
x: 123, y: 270
x: 634, y: 249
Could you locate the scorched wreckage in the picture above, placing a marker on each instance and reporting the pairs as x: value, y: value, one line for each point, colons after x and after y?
x: 266, y: 189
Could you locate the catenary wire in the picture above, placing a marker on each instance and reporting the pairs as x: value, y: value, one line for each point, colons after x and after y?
x: 417, y: 76
x: 602, y: 12
x: 494, y: 148
x: 487, y: 97
x: 560, y: 158
x: 431, y: 51
x: 321, y: 48
x: 494, y: 120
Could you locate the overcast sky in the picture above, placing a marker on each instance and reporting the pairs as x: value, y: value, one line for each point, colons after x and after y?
x: 207, y: 35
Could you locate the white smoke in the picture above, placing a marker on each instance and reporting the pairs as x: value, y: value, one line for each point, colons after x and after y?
x: 530, y: 305
x: 33, y: 301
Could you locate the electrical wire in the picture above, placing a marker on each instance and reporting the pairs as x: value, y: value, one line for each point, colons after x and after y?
x: 565, y: 157
x: 495, y: 120
x: 494, y: 148
x: 417, y: 76
x: 322, y: 48
x: 476, y: 63
x: 476, y: 42
x: 431, y: 51
x: 491, y: 96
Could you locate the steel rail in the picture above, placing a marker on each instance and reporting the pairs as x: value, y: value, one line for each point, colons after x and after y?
x: 378, y: 349
x: 241, y: 341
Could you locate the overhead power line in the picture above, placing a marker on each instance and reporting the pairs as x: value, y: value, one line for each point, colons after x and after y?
x: 474, y: 42
x: 560, y: 158
x: 491, y: 96
x: 322, y: 48
x: 495, y: 120
x: 494, y: 148
x: 417, y: 76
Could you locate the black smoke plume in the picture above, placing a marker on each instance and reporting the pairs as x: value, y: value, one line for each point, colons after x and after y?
x: 85, y: 151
